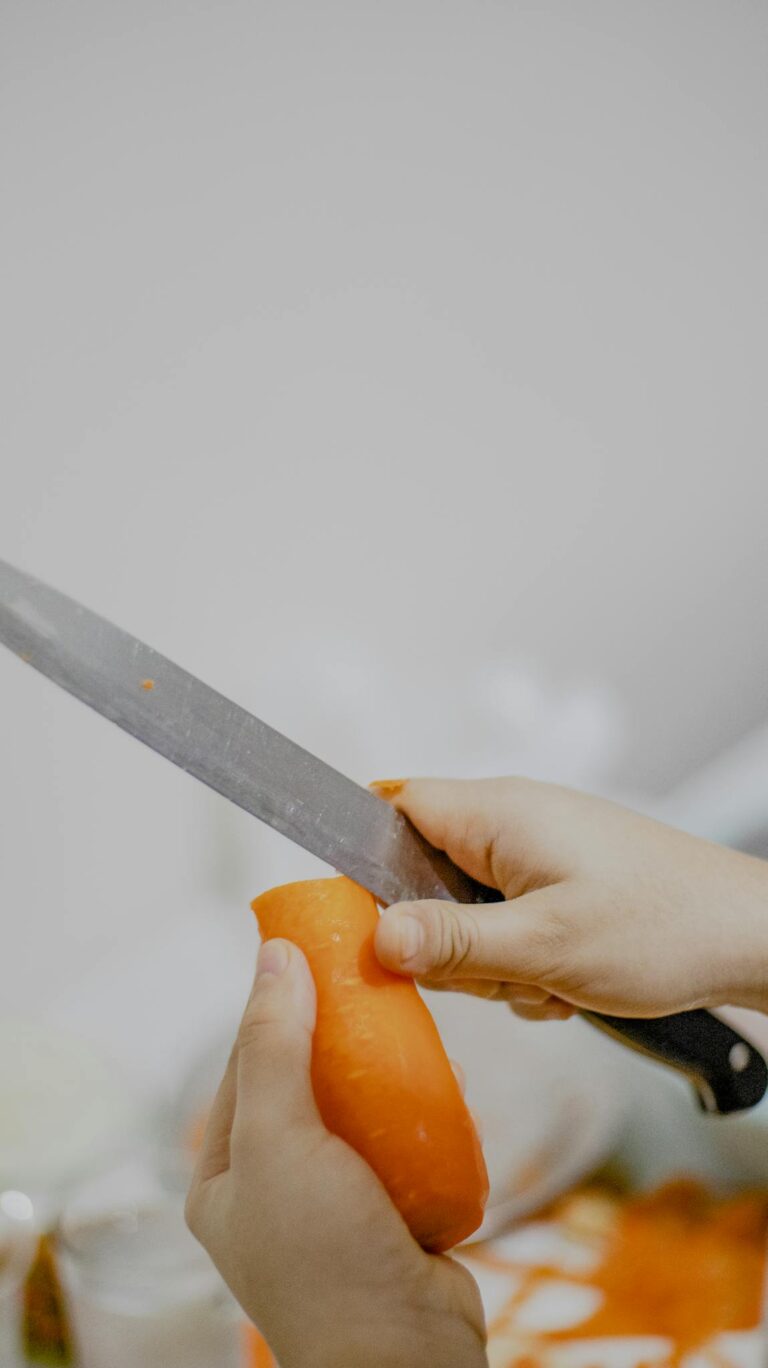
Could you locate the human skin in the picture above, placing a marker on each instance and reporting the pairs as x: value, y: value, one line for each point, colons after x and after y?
x: 299, y: 1226
x: 605, y: 909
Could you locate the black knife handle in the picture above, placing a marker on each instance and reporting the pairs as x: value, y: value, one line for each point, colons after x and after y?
x: 728, y: 1074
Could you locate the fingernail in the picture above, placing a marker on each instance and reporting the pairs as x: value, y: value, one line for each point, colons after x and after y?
x: 387, y: 788
x: 530, y: 996
x: 273, y: 959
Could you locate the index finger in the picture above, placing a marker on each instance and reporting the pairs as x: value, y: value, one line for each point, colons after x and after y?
x: 463, y: 817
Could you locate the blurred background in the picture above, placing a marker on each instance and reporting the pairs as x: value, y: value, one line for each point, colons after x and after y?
x: 399, y: 370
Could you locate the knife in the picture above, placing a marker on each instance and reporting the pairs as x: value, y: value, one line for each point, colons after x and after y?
x: 312, y: 804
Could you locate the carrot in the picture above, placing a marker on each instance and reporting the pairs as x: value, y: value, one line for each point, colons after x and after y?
x: 381, y: 1077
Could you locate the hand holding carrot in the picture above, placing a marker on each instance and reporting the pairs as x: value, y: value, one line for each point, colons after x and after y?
x: 381, y: 1078
x: 297, y: 1223
x: 605, y: 909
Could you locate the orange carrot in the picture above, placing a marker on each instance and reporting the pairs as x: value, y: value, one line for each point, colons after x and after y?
x: 381, y: 1077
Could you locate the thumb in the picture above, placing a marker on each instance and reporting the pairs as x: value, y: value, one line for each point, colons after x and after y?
x: 274, y: 1045
x: 522, y: 941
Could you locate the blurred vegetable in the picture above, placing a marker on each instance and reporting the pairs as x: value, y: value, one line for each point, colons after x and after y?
x: 47, y: 1335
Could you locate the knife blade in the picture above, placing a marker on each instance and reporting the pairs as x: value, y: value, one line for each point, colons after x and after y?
x: 224, y: 746
x: 308, y: 801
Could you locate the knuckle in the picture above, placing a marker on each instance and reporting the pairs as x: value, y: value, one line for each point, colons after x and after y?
x: 262, y: 1016
x: 453, y: 937
x: 551, y: 943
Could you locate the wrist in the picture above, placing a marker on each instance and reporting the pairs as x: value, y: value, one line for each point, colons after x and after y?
x: 451, y: 1342
x: 747, y: 893
x: 369, y: 1351
x: 754, y: 986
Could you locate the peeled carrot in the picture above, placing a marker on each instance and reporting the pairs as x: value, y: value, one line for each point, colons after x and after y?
x: 381, y: 1077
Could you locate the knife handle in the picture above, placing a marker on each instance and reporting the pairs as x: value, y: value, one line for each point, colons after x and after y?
x: 728, y: 1074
